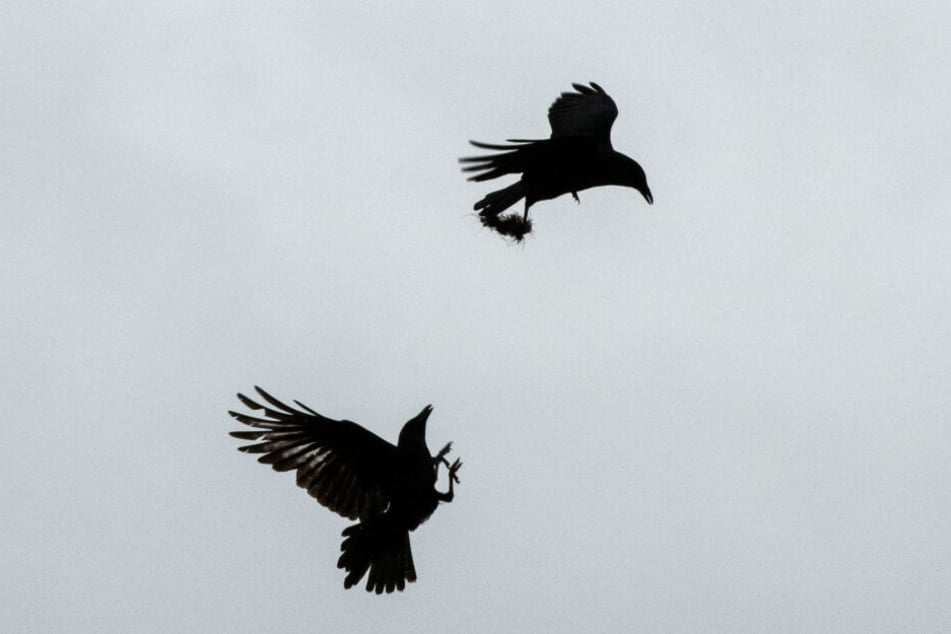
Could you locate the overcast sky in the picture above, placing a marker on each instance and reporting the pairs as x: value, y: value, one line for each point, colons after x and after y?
x: 727, y: 412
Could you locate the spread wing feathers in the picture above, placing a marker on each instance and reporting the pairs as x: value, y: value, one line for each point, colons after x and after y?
x: 347, y: 468
x: 587, y: 112
x: 513, y: 159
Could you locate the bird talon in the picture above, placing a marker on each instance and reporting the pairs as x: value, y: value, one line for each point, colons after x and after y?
x: 453, y: 469
x: 575, y: 196
x: 441, y: 455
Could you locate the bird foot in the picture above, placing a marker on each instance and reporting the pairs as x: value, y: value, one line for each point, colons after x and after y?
x: 453, y: 469
x: 453, y: 479
x: 575, y: 196
x: 441, y: 456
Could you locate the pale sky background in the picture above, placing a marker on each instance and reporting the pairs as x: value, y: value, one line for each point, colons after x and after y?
x: 728, y: 412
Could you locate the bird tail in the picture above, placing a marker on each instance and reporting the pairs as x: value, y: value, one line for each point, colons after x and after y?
x: 498, y: 201
x: 380, y: 547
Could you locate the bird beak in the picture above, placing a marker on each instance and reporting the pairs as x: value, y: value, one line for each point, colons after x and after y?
x: 648, y: 196
x: 423, y: 416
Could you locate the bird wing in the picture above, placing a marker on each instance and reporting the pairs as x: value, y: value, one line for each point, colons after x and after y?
x: 508, y: 159
x: 345, y: 467
x: 587, y: 112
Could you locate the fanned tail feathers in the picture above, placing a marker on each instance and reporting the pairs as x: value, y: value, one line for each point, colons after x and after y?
x: 379, y: 549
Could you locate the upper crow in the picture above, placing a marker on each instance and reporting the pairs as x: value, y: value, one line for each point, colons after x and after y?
x: 355, y: 473
x: 578, y: 155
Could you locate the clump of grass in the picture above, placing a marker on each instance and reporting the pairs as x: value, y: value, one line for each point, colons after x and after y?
x: 510, y: 225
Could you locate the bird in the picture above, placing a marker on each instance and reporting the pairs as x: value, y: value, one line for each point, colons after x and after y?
x: 390, y: 489
x: 577, y: 156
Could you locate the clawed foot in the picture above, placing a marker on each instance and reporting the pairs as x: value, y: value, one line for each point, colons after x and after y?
x: 441, y: 456
x: 453, y: 469
x: 575, y: 196
x: 453, y: 474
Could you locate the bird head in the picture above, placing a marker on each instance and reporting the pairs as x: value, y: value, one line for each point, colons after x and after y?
x: 413, y: 434
x: 629, y: 173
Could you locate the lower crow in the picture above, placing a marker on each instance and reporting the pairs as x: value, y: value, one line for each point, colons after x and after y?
x: 350, y: 470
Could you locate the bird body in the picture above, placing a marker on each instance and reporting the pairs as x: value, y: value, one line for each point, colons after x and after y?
x: 577, y: 156
x: 350, y: 470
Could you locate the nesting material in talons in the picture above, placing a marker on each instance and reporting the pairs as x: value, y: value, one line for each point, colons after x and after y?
x: 513, y: 226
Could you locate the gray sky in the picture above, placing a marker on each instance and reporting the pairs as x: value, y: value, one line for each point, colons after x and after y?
x: 727, y: 412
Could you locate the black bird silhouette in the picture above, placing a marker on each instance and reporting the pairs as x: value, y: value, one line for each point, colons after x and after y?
x: 355, y: 473
x: 578, y: 155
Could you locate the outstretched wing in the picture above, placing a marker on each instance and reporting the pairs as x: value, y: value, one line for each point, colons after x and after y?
x: 587, y: 112
x: 347, y: 468
x: 508, y: 159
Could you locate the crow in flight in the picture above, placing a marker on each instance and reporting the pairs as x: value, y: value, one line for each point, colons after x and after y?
x: 355, y: 473
x: 578, y: 155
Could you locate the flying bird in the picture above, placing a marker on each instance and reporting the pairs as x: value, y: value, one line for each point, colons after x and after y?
x: 578, y: 155
x: 390, y: 489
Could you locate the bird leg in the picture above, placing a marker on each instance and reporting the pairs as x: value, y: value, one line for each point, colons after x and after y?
x: 441, y: 456
x: 453, y: 477
x: 575, y: 196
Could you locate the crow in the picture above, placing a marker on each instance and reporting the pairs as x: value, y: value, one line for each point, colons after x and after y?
x: 578, y: 155
x: 355, y: 473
